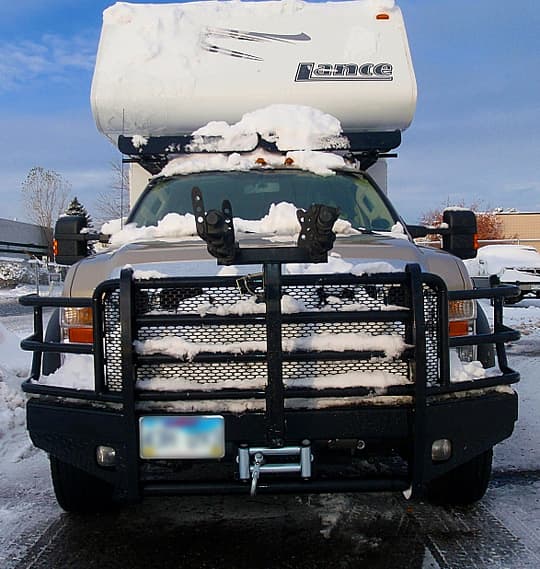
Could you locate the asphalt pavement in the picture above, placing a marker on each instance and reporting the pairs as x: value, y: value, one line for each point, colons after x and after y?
x: 379, y: 531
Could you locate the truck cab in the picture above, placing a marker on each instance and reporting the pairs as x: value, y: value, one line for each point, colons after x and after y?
x: 263, y: 321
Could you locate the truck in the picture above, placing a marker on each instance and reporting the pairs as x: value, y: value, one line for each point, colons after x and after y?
x: 263, y: 321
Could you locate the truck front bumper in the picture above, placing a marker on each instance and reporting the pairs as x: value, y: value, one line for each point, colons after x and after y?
x: 473, y: 422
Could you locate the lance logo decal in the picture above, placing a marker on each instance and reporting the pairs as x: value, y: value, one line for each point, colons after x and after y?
x: 344, y: 72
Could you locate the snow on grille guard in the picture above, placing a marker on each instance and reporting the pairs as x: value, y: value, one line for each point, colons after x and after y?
x: 412, y: 304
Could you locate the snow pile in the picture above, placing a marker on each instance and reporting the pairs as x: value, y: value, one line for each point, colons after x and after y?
x: 464, y: 371
x: 113, y: 226
x: 13, y: 272
x: 320, y: 163
x: 289, y: 305
x: 178, y: 347
x: 77, y: 372
x: 139, y: 141
x: 290, y: 127
x: 14, y: 367
x: 143, y: 275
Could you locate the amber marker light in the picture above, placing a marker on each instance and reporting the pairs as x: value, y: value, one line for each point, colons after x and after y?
x: 289, y: 161
x: 78, y: 325
x: 55, y: 247
x: 458, y: 328
x: 260, y: 161
x: 382, y: 16
x: 81, y: 335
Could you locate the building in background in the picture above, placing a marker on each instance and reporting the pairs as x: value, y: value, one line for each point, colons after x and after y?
x: 23, y: 240
x: 520, y: 228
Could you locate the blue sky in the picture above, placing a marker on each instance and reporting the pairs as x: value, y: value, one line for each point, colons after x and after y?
x: 475, y: 136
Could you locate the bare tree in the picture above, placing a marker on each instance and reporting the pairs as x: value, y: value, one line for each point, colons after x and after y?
x: 45, y: 194
x: 114, y: 203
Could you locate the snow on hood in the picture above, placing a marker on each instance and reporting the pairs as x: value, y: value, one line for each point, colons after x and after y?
x: 280, y: 220
x: 208, y: 267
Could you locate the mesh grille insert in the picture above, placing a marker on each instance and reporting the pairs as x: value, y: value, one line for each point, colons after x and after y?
x: 195, y: 301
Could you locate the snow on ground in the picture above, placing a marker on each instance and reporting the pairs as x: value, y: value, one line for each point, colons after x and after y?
x: 522, y: 450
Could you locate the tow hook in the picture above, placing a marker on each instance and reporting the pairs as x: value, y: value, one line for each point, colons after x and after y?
x: 255, y: 461
x: 258, y: 461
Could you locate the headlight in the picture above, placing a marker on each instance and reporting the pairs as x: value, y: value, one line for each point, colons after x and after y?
x: 77, y: 325
x: 461, y: 310
x: 462, y: 322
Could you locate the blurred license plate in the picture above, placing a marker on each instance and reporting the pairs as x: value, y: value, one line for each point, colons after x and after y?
x: 180, y: 436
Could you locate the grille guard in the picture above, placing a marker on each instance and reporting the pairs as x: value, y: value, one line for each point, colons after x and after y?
x: 413, y: 320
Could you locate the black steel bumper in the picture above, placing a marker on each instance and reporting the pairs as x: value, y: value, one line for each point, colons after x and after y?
x: 473, y: 424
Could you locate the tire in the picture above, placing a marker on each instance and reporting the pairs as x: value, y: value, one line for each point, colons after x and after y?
x: 51, y: 360
x: 465, y: 484
x: 79, y: 492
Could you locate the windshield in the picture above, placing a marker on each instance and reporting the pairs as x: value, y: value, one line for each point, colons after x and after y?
x: 252, y: 193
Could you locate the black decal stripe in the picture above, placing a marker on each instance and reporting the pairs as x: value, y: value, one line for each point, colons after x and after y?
x: 331, y: 78
x: 257, y: 36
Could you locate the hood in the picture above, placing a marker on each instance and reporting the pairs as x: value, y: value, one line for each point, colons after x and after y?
x: 357, y: 253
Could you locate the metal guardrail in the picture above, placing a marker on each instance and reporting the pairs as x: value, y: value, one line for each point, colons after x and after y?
x: 23, y: 248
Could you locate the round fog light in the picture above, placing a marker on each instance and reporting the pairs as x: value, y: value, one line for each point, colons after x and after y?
x: 105, y: 456
x: 441, y: 449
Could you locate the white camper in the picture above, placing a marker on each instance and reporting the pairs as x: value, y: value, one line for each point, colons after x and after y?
x: 168, y: 69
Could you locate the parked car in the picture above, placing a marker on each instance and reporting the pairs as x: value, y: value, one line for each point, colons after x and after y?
x: 511, y: 264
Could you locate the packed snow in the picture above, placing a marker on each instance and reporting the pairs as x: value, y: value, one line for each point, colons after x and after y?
x: 290, y: 127
x: 377, y: 380
x: 320, y: 163
x: 14, y: 365
x: 391, y: 345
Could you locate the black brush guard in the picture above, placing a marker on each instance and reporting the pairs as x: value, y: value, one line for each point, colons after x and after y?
x: 71, y: 423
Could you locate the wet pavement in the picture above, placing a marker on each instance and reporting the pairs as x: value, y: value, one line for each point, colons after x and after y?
x: 380, y: 531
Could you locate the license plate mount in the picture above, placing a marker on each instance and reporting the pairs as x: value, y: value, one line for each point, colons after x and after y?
x: 181, y: 437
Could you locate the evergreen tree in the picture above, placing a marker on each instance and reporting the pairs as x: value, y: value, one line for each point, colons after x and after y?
x: 76, y: 208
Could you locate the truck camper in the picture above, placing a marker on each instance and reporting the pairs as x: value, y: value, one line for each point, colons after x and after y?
x: 263, y: 321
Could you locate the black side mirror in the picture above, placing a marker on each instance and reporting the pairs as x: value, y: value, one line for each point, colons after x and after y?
x: 416, y: 231
x: 70, y: 245
x: 461, y: 238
